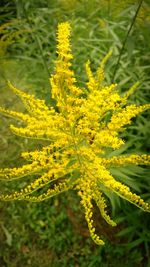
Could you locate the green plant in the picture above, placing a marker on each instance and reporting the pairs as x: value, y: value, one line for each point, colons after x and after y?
x: 82, y: 130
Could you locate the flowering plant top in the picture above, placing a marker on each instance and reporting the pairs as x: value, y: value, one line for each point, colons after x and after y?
x: 79, y: 134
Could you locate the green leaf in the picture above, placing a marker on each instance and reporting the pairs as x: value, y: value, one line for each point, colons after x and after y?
x: 126, y: 231
x: 8, y: 235
x: 75, y: 175
x: 135, y: 243
x: 130, y: 45
x: 71, y: 163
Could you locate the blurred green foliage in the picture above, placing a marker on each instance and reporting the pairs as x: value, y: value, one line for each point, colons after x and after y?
x: 53, y: 233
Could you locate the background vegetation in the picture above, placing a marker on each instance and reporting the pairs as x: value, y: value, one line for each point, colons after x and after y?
x: 53, y: 232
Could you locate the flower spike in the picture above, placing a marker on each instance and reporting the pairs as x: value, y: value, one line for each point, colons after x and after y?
x: 81, y: 132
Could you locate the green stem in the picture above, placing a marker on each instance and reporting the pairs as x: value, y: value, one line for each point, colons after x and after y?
x: 125, y: 40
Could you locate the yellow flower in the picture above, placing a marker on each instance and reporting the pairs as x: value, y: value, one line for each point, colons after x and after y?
x: 79, y: 131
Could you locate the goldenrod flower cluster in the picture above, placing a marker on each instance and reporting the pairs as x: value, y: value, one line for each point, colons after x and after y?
x: 80, y: 129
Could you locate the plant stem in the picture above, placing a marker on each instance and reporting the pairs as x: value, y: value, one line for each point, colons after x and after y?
x: 125, y: 40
